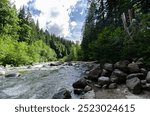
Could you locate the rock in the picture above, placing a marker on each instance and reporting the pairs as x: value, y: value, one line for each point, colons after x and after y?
x: 2, y: 73
x: 118, y: 76
x: 98, y: 86
x: 144, y: 71
x: 134, y: 85
x: 105, y: 73
x: 62, y: 94
x: 108, y: 67
x: 80, y: 83
x: 140, y: 64
x: 87, y: 88
x: 105, y: 86
x: 148, y: 86
x: 133, y: 68
x: 122, y: 65
x: 113, y: 86
x: 103, y: 81
x: 148, y: 77
x: 139, y: 75
x: 78, y: 91
x: 89, y: 95
x: 13, y: 75
x: 95, y: 73
x: 143, y: 82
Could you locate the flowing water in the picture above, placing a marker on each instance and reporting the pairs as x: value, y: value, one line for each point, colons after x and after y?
x: 40, y: 81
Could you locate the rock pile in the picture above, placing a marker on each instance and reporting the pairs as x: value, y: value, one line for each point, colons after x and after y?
x: 134, y: 74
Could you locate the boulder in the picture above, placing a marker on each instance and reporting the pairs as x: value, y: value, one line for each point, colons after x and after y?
x: 95, y: 73
x: 62, y: 94
x: 105, y: 73
x: 87, y: 88
x: 13, y: 75
x: 122, y: 65
x: 108, y: 67
x: 78, y: 91
x: 133, y: 68
x: 148, y: 77
x: 134, y: 85
x: 103, y: 81
x: 118, y: 76
x: 81, y: 83
x: 113, y: 86
x: 141, y: 76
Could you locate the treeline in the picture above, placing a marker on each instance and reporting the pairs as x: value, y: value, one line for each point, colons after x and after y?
x: 116, y: 29
x: 23, y: 42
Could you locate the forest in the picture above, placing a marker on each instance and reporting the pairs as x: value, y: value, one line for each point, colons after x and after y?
x: 116, y: 30
x: 113, y: 30
x: 22, y: 42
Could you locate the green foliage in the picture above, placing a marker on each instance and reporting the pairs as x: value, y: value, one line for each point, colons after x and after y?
x: 104, y: 38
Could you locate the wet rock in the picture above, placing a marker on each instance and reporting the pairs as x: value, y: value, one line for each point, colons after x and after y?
x: 89, y: 95
x: 13, y: 75
x: 134, y: 85
x: 105, y: 86
x: 148, y: 77
x: 133, y: 68
x: 112, y: 86
x: 118, y: 76
x: 87, y: 88
x: 105, y: 73
x: 80, y: 83
x: 122, y: 65
x: 78, y: 91
x: 108, y: 67
x: 103, y: 81
x: 139, y: 75
x: 95, y: 73
x: 62, y: 94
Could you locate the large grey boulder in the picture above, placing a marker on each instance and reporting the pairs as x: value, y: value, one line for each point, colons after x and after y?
x: 95, y: 73
x: 134, y: 85
x: 122, y: 65
x: 108, y: 67
x: 141, y: 76
x: 103, y: 81
x: 118, y: 76
x: 81, y: 83
x: 62, y: 94
x: 148, y: 77
x: 133, y: 68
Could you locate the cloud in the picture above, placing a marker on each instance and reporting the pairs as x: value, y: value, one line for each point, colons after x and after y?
x: 55, y: 15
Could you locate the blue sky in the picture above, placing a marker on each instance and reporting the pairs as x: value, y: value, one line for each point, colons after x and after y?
x: 64, y: 18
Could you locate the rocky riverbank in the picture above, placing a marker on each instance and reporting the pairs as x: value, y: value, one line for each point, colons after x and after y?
x: 122, y: 80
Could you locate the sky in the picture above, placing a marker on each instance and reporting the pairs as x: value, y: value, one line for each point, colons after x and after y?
x: 64, y: 18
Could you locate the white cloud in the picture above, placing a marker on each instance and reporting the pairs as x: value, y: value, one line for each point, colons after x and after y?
x: 20, y: 3
x: 54, y: 15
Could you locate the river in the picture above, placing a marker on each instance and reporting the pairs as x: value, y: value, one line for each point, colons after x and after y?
x: 40, y: 81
